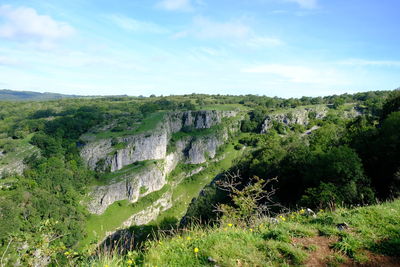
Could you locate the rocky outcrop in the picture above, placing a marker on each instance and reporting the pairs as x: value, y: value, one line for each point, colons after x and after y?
x: 138, y: 148
x: 13, y: 163
x: 133, y: 185
x: 101, y: 155
x: 298, y: 116
x: 151, y: 213
x: 201, y: 148
x: 152, y: 146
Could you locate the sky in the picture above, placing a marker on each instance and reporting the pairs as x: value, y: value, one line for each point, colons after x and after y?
x: 285, y: 48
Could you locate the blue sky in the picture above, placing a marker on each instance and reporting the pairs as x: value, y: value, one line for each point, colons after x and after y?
x: 286, y: 48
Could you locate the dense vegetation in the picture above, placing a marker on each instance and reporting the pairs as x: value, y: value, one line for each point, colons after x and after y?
x: 341, y: 162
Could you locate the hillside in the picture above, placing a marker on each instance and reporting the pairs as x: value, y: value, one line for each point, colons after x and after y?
x: 83, y: 174
x: 367, y: 236
x: 12, y: 95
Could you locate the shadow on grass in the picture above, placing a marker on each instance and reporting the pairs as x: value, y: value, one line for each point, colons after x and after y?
x: 134, y: 237
x: 389, y: 247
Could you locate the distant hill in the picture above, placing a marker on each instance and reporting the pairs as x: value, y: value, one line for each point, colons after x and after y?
x: 6, y: 94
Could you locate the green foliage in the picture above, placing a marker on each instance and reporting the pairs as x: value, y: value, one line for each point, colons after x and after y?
x: 344, y: 162
x: 266, y: 244
x: 245, y: 200
x: 391, y: 105
x: 143, y: 190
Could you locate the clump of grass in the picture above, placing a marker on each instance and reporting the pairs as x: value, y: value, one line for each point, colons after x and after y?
x: 335, y: 260
x: 348, y: 245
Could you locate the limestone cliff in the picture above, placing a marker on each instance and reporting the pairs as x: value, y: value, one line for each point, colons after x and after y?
x: 152, y: 146
x: 131, y: 187
x: 149, y: 145
x: 297, y: 116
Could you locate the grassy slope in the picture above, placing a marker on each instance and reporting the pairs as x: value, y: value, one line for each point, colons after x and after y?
x: 127, y: 171
x: 98, y: 225
x: 148, y: 123
x: 118, y: 212
x: 374, y: 232
x: 22, y: 149
x: 184, y: 192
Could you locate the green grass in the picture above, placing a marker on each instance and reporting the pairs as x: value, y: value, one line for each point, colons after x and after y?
x: 225, y: 107
x: 149, y: 123
x: 21, y: 149
x: 115, y: 215
x: 271, y: 244
x: 125, y: 172
x: 189, y: 188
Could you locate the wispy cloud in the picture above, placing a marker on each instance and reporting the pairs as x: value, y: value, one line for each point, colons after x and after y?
x: 7, y: 61
x: 134, y: 25
x: 296, y: 73
x: 310, y: 4
x: 25, y: 24
x: 175, y: 5
x: 364, y: 62
x: 261, y: 42
x: 208, y: 29
x: 236, y: 31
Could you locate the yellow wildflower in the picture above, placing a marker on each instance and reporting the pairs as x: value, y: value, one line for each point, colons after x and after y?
x: 251, y: 230
x: 196, y: 250
x: 129, y: 261
x: 230, y: 225
x: 188, y: 238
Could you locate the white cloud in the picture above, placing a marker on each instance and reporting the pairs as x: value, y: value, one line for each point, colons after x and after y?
x: 305, y: 3
x: 208, y: 29
x: 6, y: 61
x: 297, y: 74
x: 134, y: 25
x: 377, y: 63
x: 237, y: 32
x: 25, y: 24
x: 175, y: 5
x: 260, y: 42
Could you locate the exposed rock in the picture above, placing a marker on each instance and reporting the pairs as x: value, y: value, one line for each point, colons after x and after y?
x: 342, y: 226
x: 199, y: 149
x: 147, y: 215
x: 152, y: 145
x: 297, y: 116
x: 152, y: 178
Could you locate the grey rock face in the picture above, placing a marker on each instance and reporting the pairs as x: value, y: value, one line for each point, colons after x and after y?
x: 152, y: 178
x: 299, y: 116
x: 199, y: 149
x: 151, y: 213
x: 148, y: 146
x: 151, y: 145
x: 139, y: 147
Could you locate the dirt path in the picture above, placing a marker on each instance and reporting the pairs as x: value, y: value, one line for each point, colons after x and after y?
x: 320, y: 256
